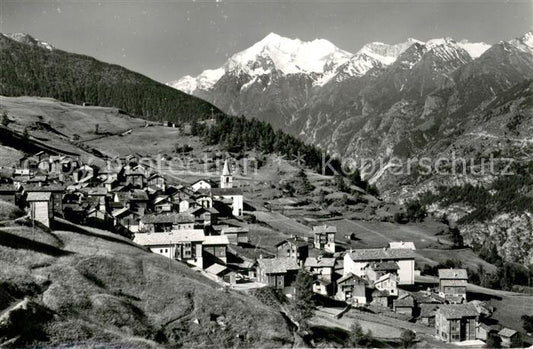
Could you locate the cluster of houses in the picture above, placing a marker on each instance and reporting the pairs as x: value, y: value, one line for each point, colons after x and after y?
x: 201, y: 225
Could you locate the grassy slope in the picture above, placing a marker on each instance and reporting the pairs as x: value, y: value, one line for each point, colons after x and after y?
x: 104, y: 289
x: 29, y: 70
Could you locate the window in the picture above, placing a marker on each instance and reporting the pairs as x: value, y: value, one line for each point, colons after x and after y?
x: 161, y: 251
x: 166, y: 250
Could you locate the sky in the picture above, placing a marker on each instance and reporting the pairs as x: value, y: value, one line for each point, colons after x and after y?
x: 167, y: 39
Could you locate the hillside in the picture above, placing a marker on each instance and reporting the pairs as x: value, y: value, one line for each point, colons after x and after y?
x: 88, y: 287
x: 29, y: 69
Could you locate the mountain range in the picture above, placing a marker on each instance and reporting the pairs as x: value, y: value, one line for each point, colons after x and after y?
x: 371, y: 103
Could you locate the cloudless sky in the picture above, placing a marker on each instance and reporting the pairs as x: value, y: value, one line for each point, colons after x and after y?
x: 168, y: 39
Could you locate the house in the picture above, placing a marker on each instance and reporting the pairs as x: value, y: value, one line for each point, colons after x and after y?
x: 510, y: 338
x: 204, y: 200
x: 320, y: 267
x: 157, y: 181
x: 186, y: 204
x: 484, y: 331
x: 157, y: 223
x: 138, y: 201
x: 402, y: 244
x: 380, y: 298
x: 452, y: 284
x: 276, y: 272
x: 324, y: 237
x: 236, y: 235
x: 201, y: 185
x: 427, y: 314
x: 183, y: 245
x: 232, y: 196
x: 162, y: 204
x: 356, y: 262
x: 41, y: 207
x: 135, y: 178
x: 8, y: 193
x: 387, y: 282
x: 215, y: 247
x: 351, y: 289
x: 85, y: 172
x: 294, y: 248
x: 222, y: 273
x: 404, y: 305
x: 126, y: 218
x: 456, y: 322
x: 375, y: 270
x: 322, y: 286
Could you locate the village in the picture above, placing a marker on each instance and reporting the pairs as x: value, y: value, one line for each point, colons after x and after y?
x: 203, y: 225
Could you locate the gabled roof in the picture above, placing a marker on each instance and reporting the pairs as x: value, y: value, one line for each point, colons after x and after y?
x: 138, y: 195
x: 319, y: 262
x: 277, y: 265
x: 385, y: 277
x: 402, y: 244
x: 122, y: 212
x: 507, y: 332
x: 320, y: 229
x: 39, y: 196
x: 293, y: 241
x: 323, y: 281
x: 348, y: 277
x: 408, y: 301
x: 457, y: 274
x: 383, y: 266
x: 457, y: 311
x: 216, y: 240
x: 170, y: 238
x: 428, y: 309
x: 380, y: 254
x: 171, y: 218
x: 234, y: 230
x: 216, y: 269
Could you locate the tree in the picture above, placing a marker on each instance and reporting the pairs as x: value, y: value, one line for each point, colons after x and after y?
x: 493, y: 341
x: 415, y: 211
x: 25, y: 133
x: 456, y: 237
x: 407, y: 338
x: 358, y: 338
x: 5, y: 119
x: 527, y: 323
x: 302, y: 303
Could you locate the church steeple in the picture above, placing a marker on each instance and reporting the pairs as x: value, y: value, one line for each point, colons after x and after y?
x: 226, y: 179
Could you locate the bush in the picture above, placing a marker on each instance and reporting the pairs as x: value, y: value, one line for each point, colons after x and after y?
x: 407, y: 338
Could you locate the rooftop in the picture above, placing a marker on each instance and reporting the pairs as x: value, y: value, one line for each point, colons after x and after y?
x: 216, y: 240
x: 402, y: 244
x: 277, y: 265
x: 174, y: 237
x: 348, y: 277
x: 457, y: 311
x: 324, y: 229
x: 453, y: 274
x: 383, y: 266
x: 172, y: 218
x: 507, y: 332
x: 319, y: 262
x: 380, y: 254
x: 39, y: 196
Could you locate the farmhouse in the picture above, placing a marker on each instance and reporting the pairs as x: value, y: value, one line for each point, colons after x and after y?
x: 456, y: 322
x: 387, y: 282
x: 356, y: 262
x: 320, y: 267
x: 215, y: 247
x: 277, y: 272
x: 294, y: 248
x: 236, y: 235
x: 324, y: 237
x: 351, y: 289
x: 510, y: 338
x: 452, y: 284
x: 183, y: 245
x: 233, y: 196
x: 41, y: 207
x: 404, y: 305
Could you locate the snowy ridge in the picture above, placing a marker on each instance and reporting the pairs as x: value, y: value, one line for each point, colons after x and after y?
x: 204, y: 81
x: 29, y: 40
x: 525, y: 43
x: 322, y: 60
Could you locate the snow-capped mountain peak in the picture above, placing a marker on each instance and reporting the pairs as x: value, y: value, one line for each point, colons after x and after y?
x: 524, y: 43
x: 29, y: 40
x: 289, y: 56
x: 204, y: 81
